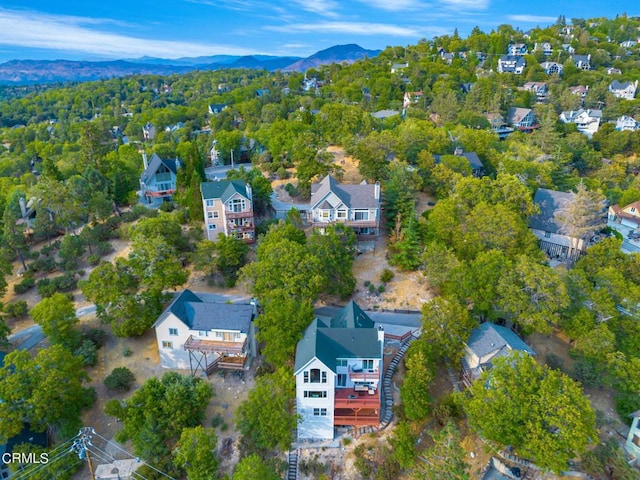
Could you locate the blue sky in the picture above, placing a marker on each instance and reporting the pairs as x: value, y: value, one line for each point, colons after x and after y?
x: 107, y: 29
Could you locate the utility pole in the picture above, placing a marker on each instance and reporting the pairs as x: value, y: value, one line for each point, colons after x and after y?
x: 80, y: 446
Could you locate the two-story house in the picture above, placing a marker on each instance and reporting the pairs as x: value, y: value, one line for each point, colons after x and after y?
x: 632, y: 444
x: 546, y: 226
x: 628, y: 216
x: 581, y: 90
x: 357, y: 206
x: 552, y: 68
x: 522, y: 119
x: 625, y: 123
x: 582, y: 62
x: 216, y: 108
x: 228, y: 209
x: 540, y: 89
x: 158, y: 180
x: 544, y: 47
x: 200, y: 335
x: 338, y: 370
x: 517, y: 49
x: 587, y: 120
x: 624, y: 90
x: 511, y: 64
x: 499, y: 125
x: 148, y: 132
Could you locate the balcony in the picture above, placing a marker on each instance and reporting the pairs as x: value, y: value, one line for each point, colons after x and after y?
x: 360, y: 418
x: 159, y: 193
x: 240, y: 228
x: 359, y: 375
x: 319, y: 223
x: 215, y: 346
x: 350, y: 398
x: 244, y: 214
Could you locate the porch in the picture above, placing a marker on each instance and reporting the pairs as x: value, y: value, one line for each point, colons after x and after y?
x: 356, y: 398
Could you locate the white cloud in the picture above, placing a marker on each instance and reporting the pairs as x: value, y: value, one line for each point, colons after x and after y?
x: 468, y: 4
x: 532, y: 18
x: 355, y: 28
x: 326, y: 8
x: 72, y: 34
x: 394, y: 5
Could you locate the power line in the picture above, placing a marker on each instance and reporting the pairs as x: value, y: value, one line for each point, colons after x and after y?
x: 62, y: 450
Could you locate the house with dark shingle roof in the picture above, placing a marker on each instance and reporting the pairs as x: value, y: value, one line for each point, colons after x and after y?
x: 196, y: 334
x: 228, y: 209
x: 158, y: 179
x: 548, y: 229
x: 477, y: 167
x: 357, y: 206
x: 338, y: 369
x: 624, y: 90
x: 486, y: 343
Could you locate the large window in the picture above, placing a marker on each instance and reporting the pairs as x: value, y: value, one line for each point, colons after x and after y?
x: 367, y: 364
x: 361, y: 215
x: 315, y: 375
x: 237, y: 205
x: 341, y: 362
x: 342, y: 380
x: 315, y: 394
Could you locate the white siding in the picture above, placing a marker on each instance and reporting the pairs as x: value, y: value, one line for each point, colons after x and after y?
x: 176, y: 357
x: 315, y: 426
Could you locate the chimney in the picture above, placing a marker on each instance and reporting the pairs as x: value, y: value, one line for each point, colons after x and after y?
x: 178, y: 165
x: 458, y: 151
x: 249, y: 192
x: 23, y: 207
x: 381, y: 334
x: 145, y: 162
x: 376, y: 191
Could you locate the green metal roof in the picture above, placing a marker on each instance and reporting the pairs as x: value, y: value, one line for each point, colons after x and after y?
x: 350, y: 334
x: 223, y: 189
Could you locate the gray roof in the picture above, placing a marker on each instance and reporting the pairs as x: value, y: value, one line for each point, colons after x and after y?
x: 616, y: 85
x: 472, y: 158
x: 549, y: 202
x: 154, y: 164
x: 352, y: 196
x: 490, y: 337
x: 223, y: 189
x: 382, y: 114
x: 328, y: 340
x: 199, y: 315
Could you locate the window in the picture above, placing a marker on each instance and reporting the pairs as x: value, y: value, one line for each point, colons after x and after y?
x: 237, y: 205
x: 315, y: 394
x: 341, y: 362
x: 547, y: 234
x: 216, y: 214
x: 315, y: 375
x: 367, y: 364
x: 319, y: 412
x: 210, y: 203
x: 203, y: 333
x: 167, y: 345
x: 219, y: 335
x: 362, y: 215
x: 162, y: 187
x: 342, y: 214
x: 324, y: 377
x: 324, y: 214
x: 342, y: 380
x: 306, y: 377
x: 213, y: 226
x: 173, y: 331
x: 209, y: 214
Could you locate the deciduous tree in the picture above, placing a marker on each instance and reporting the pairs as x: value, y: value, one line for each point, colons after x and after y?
x: 195, y: 452
x: 57, y: 317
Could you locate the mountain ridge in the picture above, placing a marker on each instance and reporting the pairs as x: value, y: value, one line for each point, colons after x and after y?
x: 32, y: 72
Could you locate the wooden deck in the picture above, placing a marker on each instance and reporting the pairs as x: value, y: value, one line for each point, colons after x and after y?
x: 358, y: 418
x: 215, y: 346
x: 353, y: 399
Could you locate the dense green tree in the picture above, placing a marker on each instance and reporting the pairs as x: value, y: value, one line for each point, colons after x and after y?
x: 252, y: 467
x: 57, y: 317
x: 438, y: 264
x: 403, y: 443
x: 265, y: 418
x: 60, y: 467
x: 538, y: 411
x: 157, y: 413
x: 415, y: 385
x: 46, y: 391
x: 335, y: 249
x: 195, y: 452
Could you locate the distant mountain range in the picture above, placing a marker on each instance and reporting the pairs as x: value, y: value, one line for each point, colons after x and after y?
x: 21, y: 72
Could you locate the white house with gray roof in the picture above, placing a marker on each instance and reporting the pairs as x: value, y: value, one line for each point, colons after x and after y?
x: 228, y: 210
x: 624, y: 90
x: 357, y: 206
x: 197, y: 335
x: 338, y: 370
x: 486, y: 343
x: 586, y: 120
x: 633, y: 438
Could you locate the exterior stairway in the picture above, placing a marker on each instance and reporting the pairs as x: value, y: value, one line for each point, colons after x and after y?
x: 292, y: 472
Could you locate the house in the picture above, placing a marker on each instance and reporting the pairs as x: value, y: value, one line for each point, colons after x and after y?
x: 196, y: 334
x: 511, y: 64
x: 539, y: 88
x: 628, y: 216
x: 582, y: 61
x: 552, y: 68
x: 587, y: 121
x: 517, y: 49
x: 624, y: 90
x: 398, y: 67
x: 548, y: 229
x: 626, y: 123
x: 544, y: 47
x: 581, y: 90
x: 486, y: 343
x: 614, y: 71
x: 522, y: 119
x: 498, y: 470
x: 356, y: 206
x: 148, y: 132
x: 216, y: 108
x: 338, y: 370
x: 475, y: 163
x: 628, y: 43
x: 633, y: 438
x: 568, y: 48
x: 158, y: 180
x: 228, y: 209
x: 498, y: 125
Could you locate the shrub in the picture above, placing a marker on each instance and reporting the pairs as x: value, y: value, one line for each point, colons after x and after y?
x: 16, y: 309
x: 291, y: 189
x: 88, y: 352
x: 44, y: 264
x: 588, y: 373
x: 93, y: 259
x: 387, y: 275
x: 65, y: 282
x: 127, y: 352
x: 104, y: 248
x: 626, y: 404
x: 554, y: 361
x: 120, y: 379
x: 45, y: 287
x: 48, y: 250
x: 282, y: 173
x: 96, y: 336
x: 367, y: 283
x: 312, y: 467
x: 381, y: 288
x: 217, y: 420
x: 372, y: 288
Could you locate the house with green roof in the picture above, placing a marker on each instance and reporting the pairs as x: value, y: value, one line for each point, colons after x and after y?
x: 338, y: 370
x: 228, y: 210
